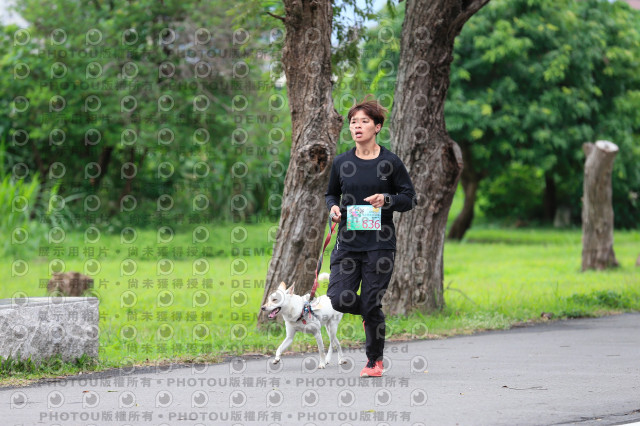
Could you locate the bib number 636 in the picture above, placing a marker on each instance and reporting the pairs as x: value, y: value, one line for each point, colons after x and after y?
x: 371, y: 224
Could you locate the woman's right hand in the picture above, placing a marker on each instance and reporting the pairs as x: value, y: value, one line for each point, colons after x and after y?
x: 335, y: 211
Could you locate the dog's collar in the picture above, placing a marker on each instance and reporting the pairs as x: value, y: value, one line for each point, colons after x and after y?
x: 306, y: 309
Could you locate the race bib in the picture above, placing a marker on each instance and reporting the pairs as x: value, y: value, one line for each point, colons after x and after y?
x: 363, y: 218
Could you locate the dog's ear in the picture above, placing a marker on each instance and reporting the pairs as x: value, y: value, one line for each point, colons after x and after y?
x: 290, y: 289
x: 282, y: 286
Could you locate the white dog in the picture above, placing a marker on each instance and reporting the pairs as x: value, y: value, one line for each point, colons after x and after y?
x: 291, y: 307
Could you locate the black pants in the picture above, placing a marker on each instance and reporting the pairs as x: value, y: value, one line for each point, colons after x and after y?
x: 373, y: 268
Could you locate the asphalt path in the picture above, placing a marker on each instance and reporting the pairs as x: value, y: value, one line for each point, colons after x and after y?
x: 584, y: 371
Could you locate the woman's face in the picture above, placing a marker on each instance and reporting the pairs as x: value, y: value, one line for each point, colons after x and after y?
x: 362, y: 127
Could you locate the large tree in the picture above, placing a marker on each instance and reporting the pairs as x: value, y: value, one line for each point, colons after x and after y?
x: 420, y: 139
x: 306, y: 58
x: 525, y: 94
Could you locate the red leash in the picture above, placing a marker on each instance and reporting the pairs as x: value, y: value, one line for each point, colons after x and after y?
x: 326, y: 243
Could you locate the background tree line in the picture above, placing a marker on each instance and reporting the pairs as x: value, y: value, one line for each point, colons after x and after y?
x: 137, y: 101
x: 530, y: 83
x: 525, y: 93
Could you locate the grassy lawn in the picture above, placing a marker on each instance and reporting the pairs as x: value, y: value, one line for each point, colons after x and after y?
x: 202, y: 303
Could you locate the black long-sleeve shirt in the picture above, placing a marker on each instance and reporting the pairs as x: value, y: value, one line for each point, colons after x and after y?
x: 352, y: 180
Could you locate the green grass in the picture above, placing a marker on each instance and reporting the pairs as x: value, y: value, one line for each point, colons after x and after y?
x: 493, y: 279
x: 15, y: 370
x: 520, y: 274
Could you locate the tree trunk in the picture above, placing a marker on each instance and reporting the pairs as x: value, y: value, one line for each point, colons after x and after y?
x: 315, y: 130
x: 420, y: 139
x: 549, y: 202
x: 103, y: 161
x: 638, y: 261
x: 597, y: 209
x: 470, y: 181
x: 43, y: 169
x: 126, y: 190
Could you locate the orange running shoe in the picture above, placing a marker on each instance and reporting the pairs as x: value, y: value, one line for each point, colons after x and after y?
x: 372, y: 369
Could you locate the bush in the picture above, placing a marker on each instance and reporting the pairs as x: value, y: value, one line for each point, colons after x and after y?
x: 17, y: 198
x: 516, y: 194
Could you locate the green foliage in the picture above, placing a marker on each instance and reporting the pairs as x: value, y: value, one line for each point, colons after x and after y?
x: 347, y: 25
x: 531, y: 81
x: 373, y: 72
x: 111, y: 61
x: 585, y: 305
x: 523, y: 88
x: 603, y: 298
x: 514, y: 194
x: 16, y: 205
x: 12, y: 367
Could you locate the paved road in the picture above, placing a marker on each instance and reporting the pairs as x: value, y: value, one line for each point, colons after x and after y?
x: 569, y: 372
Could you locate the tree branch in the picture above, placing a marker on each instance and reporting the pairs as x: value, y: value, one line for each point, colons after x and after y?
x: 469, y: 8
x: 276, y: 16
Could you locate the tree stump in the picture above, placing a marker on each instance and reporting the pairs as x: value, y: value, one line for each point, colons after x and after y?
x: 597, y: 208
x: 70, y: 283
x: 562, y: 217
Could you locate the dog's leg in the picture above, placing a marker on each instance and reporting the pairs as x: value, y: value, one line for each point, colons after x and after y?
x: 333, y: 335
x: 330, y: 350
x: 288, y: 340
x: 318, y: 336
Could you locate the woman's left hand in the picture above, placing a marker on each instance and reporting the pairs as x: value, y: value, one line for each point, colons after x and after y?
x: 376, y: 200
